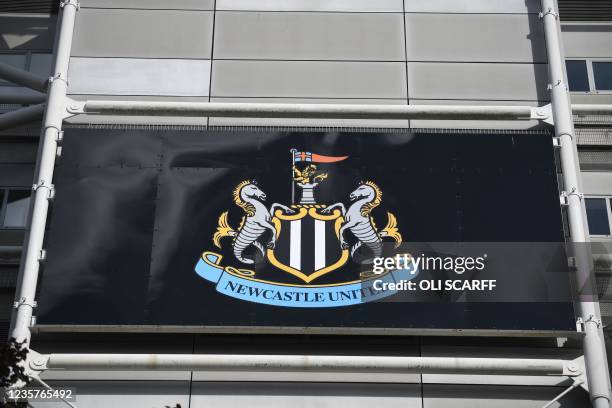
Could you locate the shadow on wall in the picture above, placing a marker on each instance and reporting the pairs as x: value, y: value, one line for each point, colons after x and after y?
x: 31, y: 32
x: 538, y: 47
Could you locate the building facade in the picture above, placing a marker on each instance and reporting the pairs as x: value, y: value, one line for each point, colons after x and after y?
x: 388, y: 52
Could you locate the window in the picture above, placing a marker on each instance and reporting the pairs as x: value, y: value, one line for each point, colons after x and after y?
x: 577, y: 76
x: 602, y: 74
x: 589, y: 75
x: 599, y: 215
x: 14, y: 208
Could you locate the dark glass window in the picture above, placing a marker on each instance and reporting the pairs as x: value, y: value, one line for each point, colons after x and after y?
x: 577, y: 75
x: 16, y: 209
x: 597, y: 216
x: 602, y: 71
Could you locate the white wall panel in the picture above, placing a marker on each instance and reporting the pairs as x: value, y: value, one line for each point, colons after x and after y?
x: 314, y: 79
x: 475, y: 37
x: 311, y: 5
x: 143, y: 33
x: 303, y: 36
x: 310, y: 122
x: 473, y: 6
x: 151, y: 4
x: 123, y: 76
x: 477, y: 81
x: 597, y: 183
x: 584, y: 97
x: 590, y: 41
x: 304, y: 395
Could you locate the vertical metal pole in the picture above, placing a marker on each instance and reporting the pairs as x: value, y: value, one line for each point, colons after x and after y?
x: 43, y: 187
x: 593, y: 344
x: 293, y: 151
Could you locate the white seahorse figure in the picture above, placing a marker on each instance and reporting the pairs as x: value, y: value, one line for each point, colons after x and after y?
x: 248, y: 196
x: 358, y: 220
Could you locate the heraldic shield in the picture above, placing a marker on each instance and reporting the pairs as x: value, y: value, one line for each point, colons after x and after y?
x: 308, y: 243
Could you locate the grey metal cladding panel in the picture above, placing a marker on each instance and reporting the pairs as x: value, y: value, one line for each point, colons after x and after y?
x: 312, y: 5
x: 475, y: 37
x: 479, y: 396
x: 304, y: 395
x: 478, y: 81
x: 305, y: 36
x: 473, y: 6
x: 309, y: 79
x: 584, y: 41
x: 133, y: 394
x: 124, y: 76
x: 143, y: 33
x: 151, y: 4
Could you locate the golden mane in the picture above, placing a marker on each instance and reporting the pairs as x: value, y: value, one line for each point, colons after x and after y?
x: 248, y: 208
x: 367, y: 208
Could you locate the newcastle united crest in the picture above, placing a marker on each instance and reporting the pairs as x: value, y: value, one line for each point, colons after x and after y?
x: 306, y: 239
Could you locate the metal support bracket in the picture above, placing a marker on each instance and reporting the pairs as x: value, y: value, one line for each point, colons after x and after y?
x: 564, y: 197
x: 36, y: 363
x: 543, y: 113
x: 50, y: 189
x: 575, y: 368
x: 58, y: 77
x: 73, y: 108
x: 75, y: 3
x: 551, y: 12
x: 23, y: 301
x: 580, y: 322
x: 558, y: 83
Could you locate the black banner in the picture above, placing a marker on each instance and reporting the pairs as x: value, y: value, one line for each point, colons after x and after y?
x: 291, y: 230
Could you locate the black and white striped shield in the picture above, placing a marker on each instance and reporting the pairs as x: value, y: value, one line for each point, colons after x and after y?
x: 308, y: 244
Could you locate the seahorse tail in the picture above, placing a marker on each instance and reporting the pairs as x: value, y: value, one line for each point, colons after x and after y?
x: 248, y: 236
x: 371, y: 239
x: 376, y: 248
x: 239, y: 248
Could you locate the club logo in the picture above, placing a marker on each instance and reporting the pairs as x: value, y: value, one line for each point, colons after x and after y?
x: 307, y: 240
